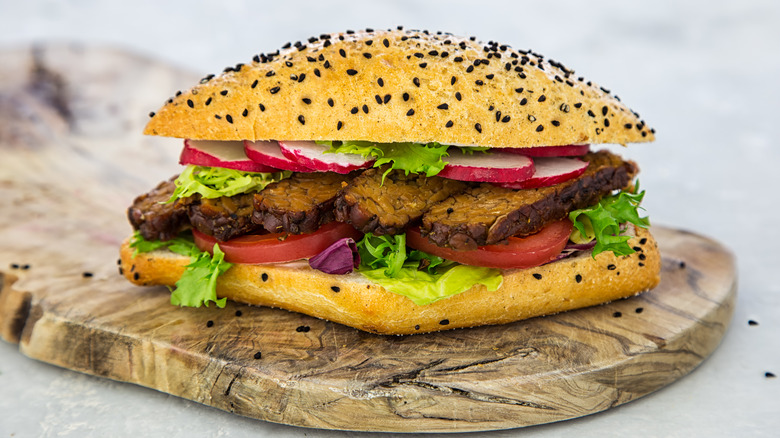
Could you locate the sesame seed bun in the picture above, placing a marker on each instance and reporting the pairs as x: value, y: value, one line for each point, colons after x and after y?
x: 401, y: 86
x: 352, y: 300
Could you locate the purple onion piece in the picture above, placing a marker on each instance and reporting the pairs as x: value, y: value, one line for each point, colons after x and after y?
x: 572, y: 248
x: 339, y: 258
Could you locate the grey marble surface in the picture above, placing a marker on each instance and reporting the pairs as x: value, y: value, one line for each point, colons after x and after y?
x: 704, y: 74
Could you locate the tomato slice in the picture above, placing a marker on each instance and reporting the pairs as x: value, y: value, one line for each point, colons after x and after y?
x: 277, y: 247
x: 519, y: 252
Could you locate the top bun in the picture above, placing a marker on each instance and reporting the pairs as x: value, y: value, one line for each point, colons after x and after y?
x: 401, y: 86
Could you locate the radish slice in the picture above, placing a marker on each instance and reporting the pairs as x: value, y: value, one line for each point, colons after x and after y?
x: 496, y: 166
x: 227, y: 154
x: 569, y: 150
x: 313, y: 156
x: 550, y: 171
x: 268, y: 153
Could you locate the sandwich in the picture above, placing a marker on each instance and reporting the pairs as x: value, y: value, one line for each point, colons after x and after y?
x: 398, y: 182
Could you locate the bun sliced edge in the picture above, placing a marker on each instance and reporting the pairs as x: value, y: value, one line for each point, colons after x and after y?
x: 352, y: 300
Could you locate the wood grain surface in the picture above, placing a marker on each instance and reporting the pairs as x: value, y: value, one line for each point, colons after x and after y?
x: 71, y: 160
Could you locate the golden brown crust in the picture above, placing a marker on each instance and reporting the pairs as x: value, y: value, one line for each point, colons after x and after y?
x: 354, y: 301
x: 401, y: 86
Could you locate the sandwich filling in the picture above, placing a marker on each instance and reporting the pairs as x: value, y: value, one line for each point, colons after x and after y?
x: 425, y: 237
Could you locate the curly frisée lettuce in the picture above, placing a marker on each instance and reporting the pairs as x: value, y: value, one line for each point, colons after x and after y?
x: 215, y: 182
x: 602, y: 222
x: 421, y: 277
x: 198, y: 285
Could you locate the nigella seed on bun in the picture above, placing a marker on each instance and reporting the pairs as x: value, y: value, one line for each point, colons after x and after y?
x: 392, y: 180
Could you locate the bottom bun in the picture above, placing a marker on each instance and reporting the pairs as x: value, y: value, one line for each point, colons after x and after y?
x: 571, y: 283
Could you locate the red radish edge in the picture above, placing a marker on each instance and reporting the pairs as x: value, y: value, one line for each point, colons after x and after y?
x: 569, y: 150
x: 550, y: 171
x: 496, y: 167
x: 269, y: 153
x: 313, y: 156
x: 226, y: 154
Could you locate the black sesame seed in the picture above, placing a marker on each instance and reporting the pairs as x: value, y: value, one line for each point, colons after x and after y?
x: 478, y: 127
x: 453, y: 80
x: 86, y: 274
x: 643, y: 241
x: 342, y: 53
x: 306, y: 100
x: 223, y: 92
x: 410, y: 112
x: 209, y: 323
x: 578, y: 278
x: 254, y: 84
x: 354, y: 110
x: 217, y: 116
x: 381, y: 82
x: 387, y: 98
x: 641, y: 264
x: 317, y: 72
x: 479, y: 82
x: 365, y: 108
x: 301, y: 77
x: 538, y: 276
x: 539, y: 128
x: 457, y: 59
x: 498, y: 116
x: 419, y: 55
x: 326, y: 64
x: 423, y: 64
x: 443, y: 106
x: 606, y: 123
x: 604, y: 110
x: 239, y: 313
x: 642, y: 257
x: 386, y: 42
x: 229, y: 118
x: 378, y: 99
x: 264, y: 277
x: 303, y: 329
x: 351, y: 72
x: 617, y: 314
x: 769, y: 375
x: 288, y: 63
x: 274, y: 90
x: 406, y: 96
x: 367, y: 55
x: 450, y: 210
x: 505, y: 119
x: 590, y: 113
x: 417, y: 327
x: 491, y: 108
x: 490, y: 76
x: 449, y: 124
x: 519, y: 90
x: 335, y: 289
x: 611, y: 267
x: 523, y: 101
x: 555, y: 123
x: 245, y: 113
x: 628, y: 126
x: 151, y: 114
x: 190, y: 103
x: 301, y: 119
x: 270, y: 73
x: 751, y: 322
x: 470, y: 69
x: 339, y: 125
x: 258, y: 355
x: 444, y: 322
x: 261, y: 106
x: 458, y: 96
x: 542, y: 98
x: 416, y: 82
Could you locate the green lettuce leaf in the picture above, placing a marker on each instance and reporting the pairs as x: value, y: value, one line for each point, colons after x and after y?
x: 421, y: 277
x: 602, y: 222
x: 198, y: 285
x: 215, y: 182
x: 409, y: 157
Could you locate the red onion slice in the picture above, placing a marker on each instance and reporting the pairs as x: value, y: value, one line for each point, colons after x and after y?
x: 339, y: 258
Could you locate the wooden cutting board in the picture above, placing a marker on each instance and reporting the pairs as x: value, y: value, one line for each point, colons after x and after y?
x: 72, y: 158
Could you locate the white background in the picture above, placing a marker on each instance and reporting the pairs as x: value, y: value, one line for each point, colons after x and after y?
x: 703, y: 74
